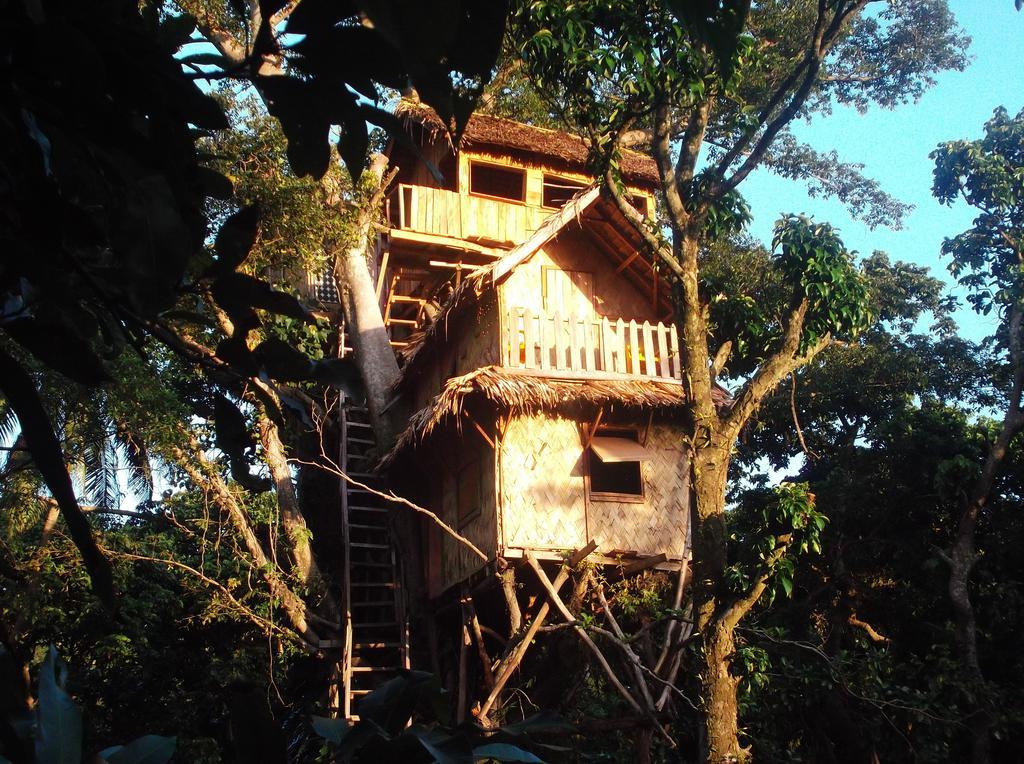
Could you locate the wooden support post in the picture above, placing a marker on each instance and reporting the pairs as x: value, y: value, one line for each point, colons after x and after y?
x: 571, y: 619
x: 460, y: 706
x: 508, y: 587
x: 511, y: 662
x: 474, y: 628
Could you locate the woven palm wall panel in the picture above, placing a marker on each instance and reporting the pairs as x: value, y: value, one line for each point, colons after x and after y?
x: 659, y: 523
x: 481, y: 527
x: 542, y: 484
x: 543, y: 492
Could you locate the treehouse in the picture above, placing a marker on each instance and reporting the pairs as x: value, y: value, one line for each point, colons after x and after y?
x: 539, y: 355
x: 540, y: 367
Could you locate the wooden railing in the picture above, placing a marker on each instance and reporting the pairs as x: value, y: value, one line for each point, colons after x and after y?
x: 461, y: 216
x: 532, y: 340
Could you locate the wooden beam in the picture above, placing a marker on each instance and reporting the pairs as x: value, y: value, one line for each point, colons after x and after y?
x: 627, y: 261
x: 431, y: 241
x: 511, y: 662
x: 593, y: 430
x: 469, y: 610
x: 644, y: 564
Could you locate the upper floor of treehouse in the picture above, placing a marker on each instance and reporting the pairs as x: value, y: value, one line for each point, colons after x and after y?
x: 513, y: 208
x: 494, y: 189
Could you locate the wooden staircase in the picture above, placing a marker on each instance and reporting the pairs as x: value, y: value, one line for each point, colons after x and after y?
x: 376, y: 633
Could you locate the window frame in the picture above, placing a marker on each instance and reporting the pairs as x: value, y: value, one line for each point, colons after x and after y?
x: 498, y: 165
x: 612, y: 496
x: 544, y: 182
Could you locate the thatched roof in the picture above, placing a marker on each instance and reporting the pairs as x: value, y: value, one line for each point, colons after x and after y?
x: 519, y: 393
x: 569, y: 150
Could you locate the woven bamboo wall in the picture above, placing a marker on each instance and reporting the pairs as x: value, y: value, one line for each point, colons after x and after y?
x: 543, y: 492
x: 543, y: 505
x: 659, y: 524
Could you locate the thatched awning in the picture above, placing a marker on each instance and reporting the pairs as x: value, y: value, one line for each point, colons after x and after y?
x: 570, y: 150
x: 520, y: 393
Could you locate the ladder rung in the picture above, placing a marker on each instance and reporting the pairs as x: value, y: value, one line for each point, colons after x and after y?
x: 366, y: 509
x: 362, y: 440
x: 363, y: 474
x: 369, y: 546
x: 371, y: 669
x: 368, y: 527
x: 395, y: 344
x: 367, y: 425
x: 404, y: 321
x: 354, y: 691
x: 406, y: 298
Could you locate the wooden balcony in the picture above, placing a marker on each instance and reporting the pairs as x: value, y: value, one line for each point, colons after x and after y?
x: 438, y: 212
x: 589, y: 346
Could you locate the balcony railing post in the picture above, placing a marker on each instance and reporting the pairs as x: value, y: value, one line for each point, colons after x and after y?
x: 663, y: 370
x: 556, y: 320
x: 620, y: 346
x: 650, y: 365
x: 676, y: 360
x: 528, y: 341
x: 606, y: 345
x: 634, y: 349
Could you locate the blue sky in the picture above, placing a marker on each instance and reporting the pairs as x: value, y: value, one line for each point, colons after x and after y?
x: 894, y: 148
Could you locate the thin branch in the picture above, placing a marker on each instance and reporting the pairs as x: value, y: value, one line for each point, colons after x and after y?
x: 332, y: 468
x: 796, y: 420
x: 267, y: 626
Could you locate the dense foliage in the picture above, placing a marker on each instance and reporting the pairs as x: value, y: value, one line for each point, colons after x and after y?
x: 165, y: 392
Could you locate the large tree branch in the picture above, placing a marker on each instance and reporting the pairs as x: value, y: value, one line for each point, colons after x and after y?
x: 20, y: 391
x: 774, y: 370
x: 206, y: 477
x: 739, y: 607
x: 801, y: 81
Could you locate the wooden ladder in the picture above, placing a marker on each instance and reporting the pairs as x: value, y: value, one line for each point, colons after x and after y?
x: 376, y: 628
x: 402, y: 312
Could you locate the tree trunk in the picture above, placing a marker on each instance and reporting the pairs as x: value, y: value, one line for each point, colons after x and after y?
x: 373, y: 353
x: 721, y: 728
x: 961, y: 562
x: 300, y: 548
x: 715, y: 624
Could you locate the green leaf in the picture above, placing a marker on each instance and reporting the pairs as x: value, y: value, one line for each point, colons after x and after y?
x: 58, y: 719
x: 504, y: 752
x: 333, y: 730
x: 148, y: 749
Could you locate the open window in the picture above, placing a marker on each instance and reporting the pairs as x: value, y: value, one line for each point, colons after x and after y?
x: 497, y: 181
x: 639, y: 203
x: 558, y: 190
x: 614, y: 461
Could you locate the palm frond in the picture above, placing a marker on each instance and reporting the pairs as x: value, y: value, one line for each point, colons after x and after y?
x: 135, y: 457
x: 100, y: 461
x: 8, y: 423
